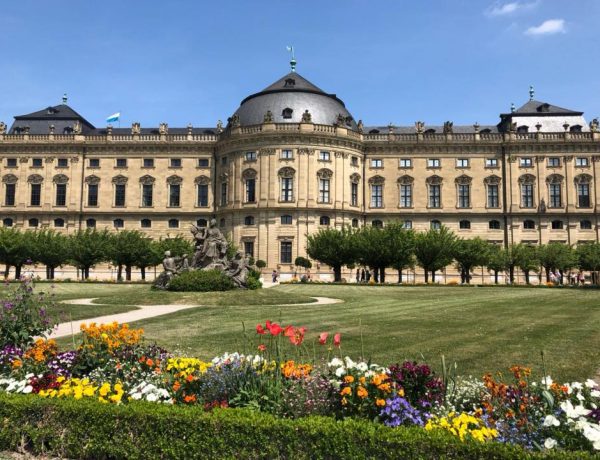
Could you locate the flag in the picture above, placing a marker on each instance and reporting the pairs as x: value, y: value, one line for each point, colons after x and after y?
x: 114, y: 117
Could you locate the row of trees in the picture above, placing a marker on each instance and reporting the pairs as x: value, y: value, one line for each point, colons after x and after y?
x: 84, y: 249
x: 396, y: 247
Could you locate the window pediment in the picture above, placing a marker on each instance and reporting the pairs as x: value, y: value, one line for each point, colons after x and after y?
x: 434, y: 180
x: 463, y: 180
x: 405, y: 180
x: 287, y: 172
x: 35, y: 179
x: 249, y: 174
x: 376, y: 180
x: 527, y: 179
x: 93, y: 180
x: 174, y: 180
x: 554, y: 179
x: 147, y: 180
x: 583, y: 179
x: 10, y: 179
x: 324, y: 173
x: 492, y: 180
x: 60, y: 179
x: 119, y: 180
x: 202, y: 180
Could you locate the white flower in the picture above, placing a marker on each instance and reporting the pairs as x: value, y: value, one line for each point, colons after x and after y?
x: 573, y: 412
x: 550, y: 443
x: 340, y: 371
x: 595, y: 393
x: 547, y: 381
x: 590, y: 383
x: 28, y: 389
x: 136, y: 396
x: 362, y: 367
x: 551, y: 420
x: 576, y: 386
x: 152, y: 397
x: 336, y: 362
x: 349, y: 363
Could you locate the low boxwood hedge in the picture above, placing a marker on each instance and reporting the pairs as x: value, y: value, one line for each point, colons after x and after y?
x: 87, y: 429
x: 201, y: 281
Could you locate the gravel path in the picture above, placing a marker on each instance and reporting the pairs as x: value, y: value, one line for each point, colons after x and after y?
x: 147, y: 311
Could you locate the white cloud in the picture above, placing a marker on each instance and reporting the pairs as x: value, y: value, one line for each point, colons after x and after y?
x: 502, y: 9
x: 549, y: 27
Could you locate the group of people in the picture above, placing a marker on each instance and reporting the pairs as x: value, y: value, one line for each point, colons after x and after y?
x: 575, y: 279
x: 362, y: 275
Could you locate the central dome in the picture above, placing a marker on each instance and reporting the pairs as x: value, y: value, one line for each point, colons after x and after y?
x: 288, y: 98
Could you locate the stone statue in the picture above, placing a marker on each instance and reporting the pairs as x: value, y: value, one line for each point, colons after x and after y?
x: 542, y: 205
x: 268, y: 117
x: 306, y: 117
x: 77, y: 127
x: 341, y: 120
x: 238, y: 269
x: 234, y: 120
x: 212, y: 253
x: 360, y: 126
x: 136, y: 129
x: 163, y: 128
x: 419, y: 126
x: 448, y: 127
x: 2, y: 127
x: 594, y: 125
x: 219, y: 126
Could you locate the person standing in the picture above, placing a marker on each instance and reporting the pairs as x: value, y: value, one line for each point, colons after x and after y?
x: 274, y: 275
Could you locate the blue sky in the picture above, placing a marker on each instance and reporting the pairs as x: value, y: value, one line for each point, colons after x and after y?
x: 390, y: 61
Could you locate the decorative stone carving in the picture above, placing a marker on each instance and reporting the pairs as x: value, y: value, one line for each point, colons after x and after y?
x: 405, y: 180
x: 10, y: 179
x: 49, y: 160
x: 554, y: 179
x: 583, y: 179
x: 35, y: 179
x: 463, y: 180
x: 476, y: 127
x: 324, y: 173
x: 109, y: 130
x: 92, y: 180
x: 74, y: 159
x: 24, y: 160
x: 249, y: 174
x: 147, y: 180
x: 266, y: 151
x: 512, y: 127
x: 594, y: 125
x: 202, y: 180
x: 60, y: 179
x: 268, y: 118
x: 286, y: 172
x: 51, y: 129
x: 355, y: 178
x: 234, y: 120
x: 119, y: 180
x: 306, y: 117
x: 419, y: 127
x: 2, y: 127
x: 224, y: 176
x: 360, y: 126
x: 136, y: 129
x: 434, y: 180
x: 163, y: 129
x: 77, y: 127
x: 376, y: 180
x: 306, y: 151
x: 542, y: 205
x: 189, y: 129
x: 174, y: 180
x: 528, y: 179
x: 219, y: 126
x: 448, y: 127
x: 491, y: 180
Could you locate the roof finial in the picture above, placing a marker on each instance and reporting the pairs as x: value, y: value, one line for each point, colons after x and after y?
x: 293, y: 60
x: 512, y: 107
x: 531, y: 92
x: 64, y: 98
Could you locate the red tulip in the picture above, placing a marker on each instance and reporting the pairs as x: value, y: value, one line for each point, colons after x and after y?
x: 288, y: 331
x: 275, y: 329
x: 262, y: 347
x: 260, y: 329
x: 323, y: 338
x: 337, y: 339
x: 298, y: 336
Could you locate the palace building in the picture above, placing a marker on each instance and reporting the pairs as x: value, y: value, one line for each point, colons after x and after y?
x: 292, y: 159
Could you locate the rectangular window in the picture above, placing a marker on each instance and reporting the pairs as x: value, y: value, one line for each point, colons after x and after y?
x: 433, y: 163
x: 148, y: 162
x: 175, y: 163
x: 121, y: 162
x: 224, y: 194
x: 120, y: 194
x: 11, y: 162
x: 147, y: 194
x: 406, y: 195
x: 203, y: 163
x: 527, y: 195
x: 92, y: 195
x: 526, y: 162
x: 250, y: 190
x: 462, y: 162
x: 464, y: 196
x: 202, y: 194
x: 249, y: 248
x: 286, y: 252
x: 492, y: 196
x: 376, y: 196
x: 61, y: 194
x: 287, y: 155
x: 408, y: 224
x: 250, y: 156
x: 553, y: 162
x: 286, y: 219
x: 581, y: 162
x: 376, y: 163
x: 174, y: 195
x: 555, y: 196
x: 324, y: 190
x: 435, y: 196
x: 287, y: 184
x: 9, y: 194
x: 491, y: 162
x: 224, y: 161
x: 36, y: 194
x: 36, y: 162
x: 354, y: 194
x: 94, y: 162
x: 62, y: 163
x: 354, y: 161
x: 324, y: 156
x: 583, y: 195
x: 405, y: 163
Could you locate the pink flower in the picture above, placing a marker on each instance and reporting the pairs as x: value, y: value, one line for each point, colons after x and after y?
x: 262, y: 347
x: 337, y: 339
x: 260, y: 329
x: 323, y: 338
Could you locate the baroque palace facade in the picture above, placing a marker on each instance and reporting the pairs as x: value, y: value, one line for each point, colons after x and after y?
x: 291, y: 160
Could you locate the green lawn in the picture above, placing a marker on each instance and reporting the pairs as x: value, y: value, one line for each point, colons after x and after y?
x: 481, y: 329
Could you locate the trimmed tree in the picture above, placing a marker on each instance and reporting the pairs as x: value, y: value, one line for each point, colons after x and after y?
x: 402, y: 247
x: 557, y: 256
x: 470, y: 253
x: 51, y: 249
x: 129, y: 248
x: 526, y: 258
x: 496, y: 260
x: 374, y: 250
x: 333, y: 247
x: 434, y: 250
x: 16, y: 249
x: 589, y: 259
x: 87, y: 248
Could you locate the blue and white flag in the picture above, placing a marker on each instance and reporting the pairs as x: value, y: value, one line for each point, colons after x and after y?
x: 113, y: 117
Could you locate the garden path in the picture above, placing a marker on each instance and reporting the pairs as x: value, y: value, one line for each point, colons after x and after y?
x: 146, y: 311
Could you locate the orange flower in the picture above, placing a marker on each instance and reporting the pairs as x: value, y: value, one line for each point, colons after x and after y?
x: 190, y: 378
x: 362, y: 380
x: 349, y: 379
x: 149, y: 362
x: 176, y: 386
x: 346, y: 391
x: 380, y: 402
x: 362, y: 392
x: 190, y: 399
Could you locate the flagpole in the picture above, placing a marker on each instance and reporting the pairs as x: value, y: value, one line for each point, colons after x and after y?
x: 120, y: 118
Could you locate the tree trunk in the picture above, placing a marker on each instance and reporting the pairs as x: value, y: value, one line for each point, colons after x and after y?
x: 433, y: 276
x: 526, y: 272
x: 426, y: 276
x: 511, y: 274
x: 376, y: 274
x: 399, y: 276
x: 120, y: 273
x: 337, y: 273
x: 18, y: 271
x: 495, y: 276
x: 86, y: 272
x: 128, y: 272
x: 143, y: 272
x: 52, y: 272
x: 382, y: 275
x: 468, y: 276
x: 6, y: 271
x: 547, y: 274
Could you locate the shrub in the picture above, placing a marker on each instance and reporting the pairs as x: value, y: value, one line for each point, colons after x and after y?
x: 201, y: 281
x: 261, y: 264
x: 253, y: 281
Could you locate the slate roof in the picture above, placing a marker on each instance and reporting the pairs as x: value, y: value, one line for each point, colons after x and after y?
x: 539, y: 108
x: 61, y: 116
x: 438, y: 129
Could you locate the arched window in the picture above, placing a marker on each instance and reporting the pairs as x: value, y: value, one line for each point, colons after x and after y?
x: 324, y: 181
x: 405, y: 184
x: 435, y: 225
x: 90, y: 223
x: 464, y: 224
x: 554, y: 182
x: 249, y: 220
x: 582, y: 185
x: 146, y: 223
x: 324, y: 220
x: 527, y: 182
x: 463, y: 191
x: 585, y: 225
x: 492, y: 184
x: 249, y: 178
x: 494, y: 225
x: 118, y: 223
x: 173, y: 223
x: 287, y: 113
x: 7, y: 222
x: 376, y: 184
x: 286, y: 178
x: 59, y: 223
x: 434, y: 186
x: 355, y: 223
x: 201, y: 223
x: 377, y: 223
x: 557, y: 225
x: 286, y: 219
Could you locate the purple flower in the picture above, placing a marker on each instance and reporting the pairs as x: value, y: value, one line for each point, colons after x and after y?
x: 398, y: 411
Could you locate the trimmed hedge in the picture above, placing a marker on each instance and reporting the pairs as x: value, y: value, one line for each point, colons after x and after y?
x: 88, y: 429
x: 201, y: 281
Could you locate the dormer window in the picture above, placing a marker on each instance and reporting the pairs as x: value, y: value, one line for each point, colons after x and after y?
x: 374, y: 131
x: 575, y: 129
x: 289, y: 83
x: 51, y: 111
x: 486, y: 131
x: 287, y: 113
x: 68, y: 130
x: 544, y: 108
x: 430, y: 131
x: 523, y: 129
